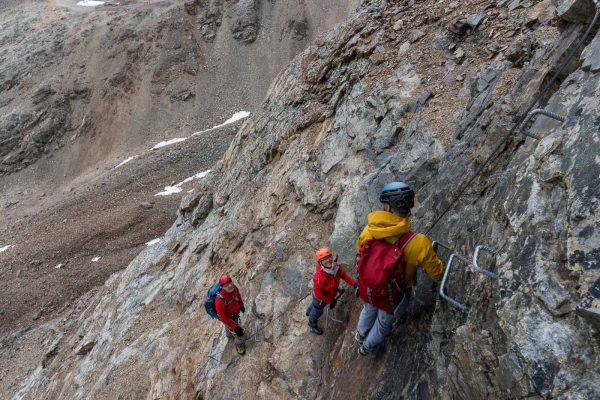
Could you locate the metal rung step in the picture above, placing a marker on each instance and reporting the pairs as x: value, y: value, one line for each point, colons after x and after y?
x: 453, y: 256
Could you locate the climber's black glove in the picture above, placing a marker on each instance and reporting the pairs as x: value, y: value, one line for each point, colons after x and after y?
x: 239, y: 331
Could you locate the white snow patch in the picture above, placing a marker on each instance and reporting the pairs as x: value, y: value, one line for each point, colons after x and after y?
x: 152, y: 242
x: 190, y: 191
x: 90, y: 3
x: 3, y: 249
x: 235, y: 117
x: 126, y: 161
x: 96, y: 259
x: 168, y: 143
x: 169, y: 190
x: 59, y: 266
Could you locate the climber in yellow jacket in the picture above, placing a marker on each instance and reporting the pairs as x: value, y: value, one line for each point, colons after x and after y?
x: 392, y: 225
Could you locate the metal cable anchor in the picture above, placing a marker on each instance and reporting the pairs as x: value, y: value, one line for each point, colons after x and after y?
x: 436, y: 245
x: 534, y: 113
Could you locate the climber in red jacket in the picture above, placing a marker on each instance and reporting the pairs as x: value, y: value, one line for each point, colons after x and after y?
x: 229, y: 304
x: 326, y: 282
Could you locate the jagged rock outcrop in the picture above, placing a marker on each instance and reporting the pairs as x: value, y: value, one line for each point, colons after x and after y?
x: 348, y: 114
x: 244, y: 17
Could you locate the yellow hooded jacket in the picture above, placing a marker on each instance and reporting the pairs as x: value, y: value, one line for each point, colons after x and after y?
x: 418, y: 252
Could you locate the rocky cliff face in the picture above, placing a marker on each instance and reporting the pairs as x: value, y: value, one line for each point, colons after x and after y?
x: 83, y: 89
x: 419, y: 91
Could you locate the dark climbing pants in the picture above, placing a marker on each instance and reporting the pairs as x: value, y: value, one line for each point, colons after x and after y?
x: 315, y: 310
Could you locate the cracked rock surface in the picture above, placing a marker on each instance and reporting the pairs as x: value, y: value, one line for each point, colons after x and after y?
x: 347, y: 115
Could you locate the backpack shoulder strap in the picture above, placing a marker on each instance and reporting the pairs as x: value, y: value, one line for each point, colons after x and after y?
x: 404, y: 239
x: 220, y: 296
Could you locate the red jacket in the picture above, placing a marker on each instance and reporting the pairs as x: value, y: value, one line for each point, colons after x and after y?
x: 325, y: 285
x: 230, y: 307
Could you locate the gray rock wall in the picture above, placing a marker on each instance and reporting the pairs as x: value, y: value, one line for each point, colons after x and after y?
x: 347, y: 115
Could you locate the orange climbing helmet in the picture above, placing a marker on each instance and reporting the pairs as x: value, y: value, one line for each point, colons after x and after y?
x: 224, y: 279
x: 322, y: 253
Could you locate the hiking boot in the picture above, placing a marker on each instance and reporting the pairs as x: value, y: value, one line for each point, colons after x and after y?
x: 362, y: 351
x: 316, y: 330
x: 240, y: 348
x: 359, y: 338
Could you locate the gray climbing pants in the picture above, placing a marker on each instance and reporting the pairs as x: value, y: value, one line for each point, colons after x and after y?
x: 315, y: 310
x: 375, y: 324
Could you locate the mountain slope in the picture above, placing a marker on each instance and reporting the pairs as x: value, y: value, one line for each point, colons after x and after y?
x: 356, y: 109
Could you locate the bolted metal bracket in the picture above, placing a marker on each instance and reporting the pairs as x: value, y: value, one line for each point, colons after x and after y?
x: 256, y: 330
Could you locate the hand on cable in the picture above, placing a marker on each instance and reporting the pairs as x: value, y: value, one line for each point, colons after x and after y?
x: 332, y: 305
x: 243, y: 309
x: 239, y: 331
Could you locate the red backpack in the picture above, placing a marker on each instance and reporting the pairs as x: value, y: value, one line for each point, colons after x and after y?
x: 381, y: 272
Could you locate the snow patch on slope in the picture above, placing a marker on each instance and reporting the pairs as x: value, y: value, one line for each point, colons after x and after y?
x: 169, y: 190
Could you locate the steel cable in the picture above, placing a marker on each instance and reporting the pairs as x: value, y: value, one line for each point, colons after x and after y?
x: 495, y: 153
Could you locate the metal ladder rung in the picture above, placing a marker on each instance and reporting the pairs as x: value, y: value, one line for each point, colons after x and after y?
x: 476, y: 258
x: 449, y: 299
x: 478, y: 249
x: 475, y: 264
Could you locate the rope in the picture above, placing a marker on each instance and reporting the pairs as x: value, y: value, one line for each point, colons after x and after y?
x: 544, y: 89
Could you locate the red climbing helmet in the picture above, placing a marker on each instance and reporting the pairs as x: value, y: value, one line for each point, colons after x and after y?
x: 322, y: 253
x: 224, y: 279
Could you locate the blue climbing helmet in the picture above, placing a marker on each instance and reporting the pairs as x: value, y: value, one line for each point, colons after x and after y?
x: 399, y: 195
